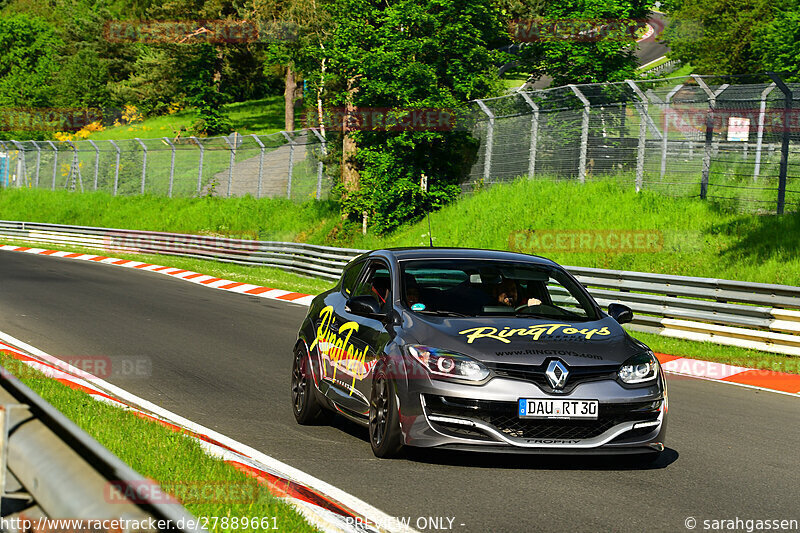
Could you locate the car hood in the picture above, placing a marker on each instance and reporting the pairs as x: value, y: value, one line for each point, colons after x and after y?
x: 525, y: 340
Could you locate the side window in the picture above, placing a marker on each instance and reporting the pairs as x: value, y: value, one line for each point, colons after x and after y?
x: 349, y: 277
x: 377, y: 283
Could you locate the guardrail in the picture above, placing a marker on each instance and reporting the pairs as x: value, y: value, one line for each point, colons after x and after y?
x: 51, y: 468
x: 751, y: 315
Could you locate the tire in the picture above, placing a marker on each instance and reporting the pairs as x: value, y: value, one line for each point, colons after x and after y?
x: 306, y: 406
x: 384, y: 419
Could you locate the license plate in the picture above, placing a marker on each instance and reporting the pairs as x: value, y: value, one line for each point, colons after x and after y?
x: 560, y: 408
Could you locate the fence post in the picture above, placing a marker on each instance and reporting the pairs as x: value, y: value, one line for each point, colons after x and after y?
x: 144, y: 162
x: 171, y: 165
x: 116, y: 167
x: 712, y: 103
x: 232, y: 148
x: 584, y: 133
x: 21, y: 151
x: 787, y: 112
x: 96, y: 161
x: 643, y: 118
x: 534, y: 134
x: 324, y: 150
x: 665, y: 136
x: 260, y: 164
x: 487, y: 160
x: 75, y: 168
x: 200, y: 171
x: 291, y: 164
x: 760, y: 136
x: 38, y: 161
x: 55, y: 162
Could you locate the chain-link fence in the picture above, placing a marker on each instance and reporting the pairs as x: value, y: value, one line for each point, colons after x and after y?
x: 278, y: 165
x: 697, y: 136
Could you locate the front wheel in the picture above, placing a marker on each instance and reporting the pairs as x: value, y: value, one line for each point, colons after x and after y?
x: 384, y: 418
x: 305, y: 405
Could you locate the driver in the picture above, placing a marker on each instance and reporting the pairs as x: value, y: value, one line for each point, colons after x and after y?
x: 507, y: 294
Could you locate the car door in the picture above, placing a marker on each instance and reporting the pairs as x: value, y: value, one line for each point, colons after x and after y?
x: 366, y: 335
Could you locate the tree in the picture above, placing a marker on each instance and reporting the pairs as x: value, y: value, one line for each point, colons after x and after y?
x: 776, y: 42
x: 569, y: 57
x: 718, y: 36
x: 394, y: 56
x: 29, y: 51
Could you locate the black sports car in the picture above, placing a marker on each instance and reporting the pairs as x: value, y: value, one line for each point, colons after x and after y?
x: 476, y: 350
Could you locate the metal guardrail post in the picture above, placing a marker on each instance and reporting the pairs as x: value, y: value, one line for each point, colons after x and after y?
x: 487, y: 159
x: 200, y: 170
x: 171, y: 165
x: 116, y: 168
x: 665, y: 136
x: 260, y: 164
x: 760, y: 135
x: 55, y: 162
x: 584, y: 133
x: 96, y: 161
x: 534, y: 133
x: 712, y: 104
x: 38, y: 161
x: 787, y: 115
x: 643, y: 118
x: 144, y: 161
x: 324, y: 149
x: 291, y: 163
x: 232, y: 148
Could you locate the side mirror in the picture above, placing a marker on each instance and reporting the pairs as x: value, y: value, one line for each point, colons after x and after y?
x: 364, y: 305
x: 620, y: 313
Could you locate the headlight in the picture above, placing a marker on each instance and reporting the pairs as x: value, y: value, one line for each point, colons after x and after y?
x: 448, y: 364
x: 639, y: 369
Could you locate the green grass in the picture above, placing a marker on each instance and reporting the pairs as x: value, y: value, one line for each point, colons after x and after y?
x: 254, y: 116
x: 161, y: 454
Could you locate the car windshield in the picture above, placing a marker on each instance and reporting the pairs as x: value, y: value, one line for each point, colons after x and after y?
x: 473, y: 287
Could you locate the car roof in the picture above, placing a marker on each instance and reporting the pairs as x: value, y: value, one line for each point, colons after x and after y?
x: 419, y: 252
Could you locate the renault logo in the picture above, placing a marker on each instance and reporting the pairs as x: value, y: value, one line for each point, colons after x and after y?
x: 557, y: 374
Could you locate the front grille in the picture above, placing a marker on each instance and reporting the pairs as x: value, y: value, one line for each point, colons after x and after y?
x: 503, y: 417
x: 536, y: 374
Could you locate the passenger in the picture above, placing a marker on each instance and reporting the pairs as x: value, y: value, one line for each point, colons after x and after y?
x: 507, y: 294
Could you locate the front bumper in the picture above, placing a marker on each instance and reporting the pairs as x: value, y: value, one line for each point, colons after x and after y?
x: 450, y: 415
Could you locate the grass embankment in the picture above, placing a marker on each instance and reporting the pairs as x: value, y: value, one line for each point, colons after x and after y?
x: 178, y: 463
x: 253, y: 116
x: 697, y: 238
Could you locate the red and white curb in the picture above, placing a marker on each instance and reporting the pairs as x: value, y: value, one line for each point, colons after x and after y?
x: 769, y: 380
x: 781, y: 382
x: 323, y: 505
x: 178, y: 273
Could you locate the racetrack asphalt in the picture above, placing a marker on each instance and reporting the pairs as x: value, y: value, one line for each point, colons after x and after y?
x: 223, y: 360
